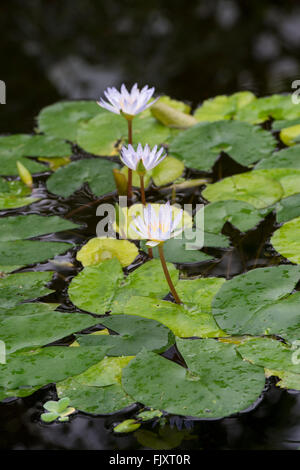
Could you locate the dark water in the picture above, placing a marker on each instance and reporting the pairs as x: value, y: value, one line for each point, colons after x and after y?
x: 192, y: 50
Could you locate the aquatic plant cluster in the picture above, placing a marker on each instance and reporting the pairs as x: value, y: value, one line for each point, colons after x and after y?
x: 152, y: 332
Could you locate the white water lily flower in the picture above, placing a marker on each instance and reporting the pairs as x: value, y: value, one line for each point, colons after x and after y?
x: 150, y: 158
x: 158, y: 228
x: 125, y: 102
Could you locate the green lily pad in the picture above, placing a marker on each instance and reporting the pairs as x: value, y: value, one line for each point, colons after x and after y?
x: 285, y: 158
x: 278, y: 107
x: 281, y: 124
x: 288, y: 178
x: 51, y: 364
x: 98, y: 390
x: 134, y: 334
x: 14, y: 194
x: 217, y: 382
x: 252, y: 303
x: 256, y: 189
x: 103, y: 287
x: 29, y: 251
x: 167, y: 171
x: 16, y: 288
x: 290, y: 135
x: 185, y: 321
x: 288, y: 208
x: 31, y: 225
x: 96, y: 172
x: 26, y: 309
x: 26, y: 331
x: 269, y: 353
x: 12, y: 149
x: 242, y: 215
x: 175, y: 251
x: 223, y: 107
x: 62, y: 119
x: 46, y: 146
x: 105, y: 133
x: 200, y: 146
x: 286, y: 240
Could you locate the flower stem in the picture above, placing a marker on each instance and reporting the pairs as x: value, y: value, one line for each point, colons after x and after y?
x: 129, y: 183
x: 167, y: 274
x: 142, y: 190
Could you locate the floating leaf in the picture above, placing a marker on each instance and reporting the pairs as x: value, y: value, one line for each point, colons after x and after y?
x: 285, y: 158
x: 98, y: 390
x: 251, y: 303
x: 26, y: 331
x: 98, y: 250
x: 167, y: 171
x: 240, y: 214
x: 223, y: 107
x: 171, y: 117
x: 14, y: 194
x: 288, y: 208
x: 286, y: 240
x: 12, y: 149
x: 31, y: 225
x: 251, y: 187
x: 46, y: 146
x: 288, y: 178
x: 134, y: 334
x: 129, y: 425
x: 175, y: 251
x: 103, y: 287
x: 262, y: 109
x: 182, y: 320
x: 269, y: 353
x: 29, y: 252
x: 201, y: 145
x: 96, y: 172
x: 62, y: 119
x: 105, y: 133
x: 175, y: 104
x: 290, y: 135
x: 217, y: 382
x: 51, y: 364
x: 281, y: 124
x: 23, y: 286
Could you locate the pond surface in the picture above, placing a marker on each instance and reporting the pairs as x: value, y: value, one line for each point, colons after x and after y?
x: 209, y: 48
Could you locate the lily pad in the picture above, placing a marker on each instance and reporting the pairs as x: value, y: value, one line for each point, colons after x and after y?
x: 252, y: 302
x: 285, y: 158
x: 25, y: 252
x: 288, y: 178
x: 16, y: 288
x: 134, y: 334
x: 31, y: 225
x: 46, y: 146
x: 62, y: 119
x: 184, y: 320
x: 290, y: 135
x: 14, y: 194
x: 251, y: 187
x: 240, y: 214
x: 269, y: 353
x: 12, y: 149
x: 105, y: 133
x: 223, y: 107
x: 39, y: 329
x: 96, y: 172
x: 217, y: 382
x: 98, y: 390
x: 286, y: 240
x: 200, y: 146
x: 98, y: 250
x: 288, y: 208
x: 103, y: 287
x: 276, y: 106
x: 51, y: 364
x: 167, y: 171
